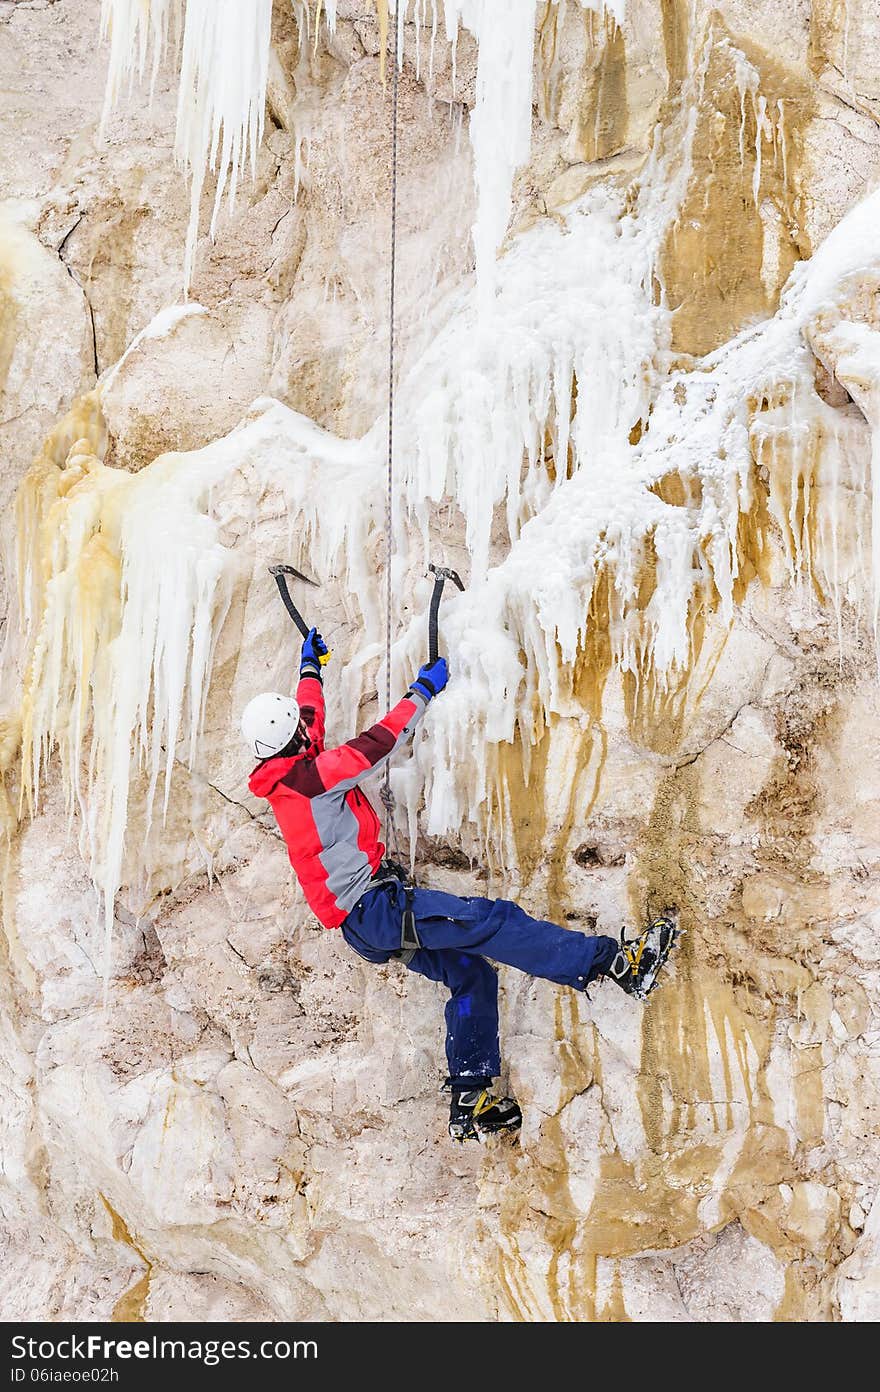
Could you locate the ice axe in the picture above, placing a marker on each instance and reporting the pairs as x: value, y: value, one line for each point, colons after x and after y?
x: 441, y: 575
x: 280, y: 573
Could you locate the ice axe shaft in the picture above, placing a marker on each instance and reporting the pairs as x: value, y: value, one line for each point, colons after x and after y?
x: 441, y: 575
x: 280, y: 573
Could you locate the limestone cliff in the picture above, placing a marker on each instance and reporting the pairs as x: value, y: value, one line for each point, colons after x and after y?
x: 638, y: 342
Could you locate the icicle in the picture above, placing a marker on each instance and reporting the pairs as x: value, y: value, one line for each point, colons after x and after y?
x: 490, y: 392
x: 223, y: 76
x: 501, y: 122
x: 835, y: 540
x: 858, y: 368
x: 433, y: 43
x: 762, y: 131
x: 875, y: 526
x: 747, y: 80
x: 616, y: 8
x: 224, y: 68
x: 135, y: 31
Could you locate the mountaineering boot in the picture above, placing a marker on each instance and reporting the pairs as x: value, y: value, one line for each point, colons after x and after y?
x: 476, y: 1114
x: 639, y: 962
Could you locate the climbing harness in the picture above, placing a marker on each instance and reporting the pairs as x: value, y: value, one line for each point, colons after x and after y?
x: 280, y: 574
x: 390, y: 873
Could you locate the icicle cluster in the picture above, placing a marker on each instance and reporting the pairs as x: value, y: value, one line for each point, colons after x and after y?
x: 223, y: 48
x: 518, y: 633
x: 126, y: 583
x: 495, y: 387
x: 224, y: 57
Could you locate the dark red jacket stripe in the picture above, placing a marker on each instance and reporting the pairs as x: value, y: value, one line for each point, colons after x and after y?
x: 374, y: 743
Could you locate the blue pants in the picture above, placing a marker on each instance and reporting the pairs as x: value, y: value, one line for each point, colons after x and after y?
x: 457, y: 936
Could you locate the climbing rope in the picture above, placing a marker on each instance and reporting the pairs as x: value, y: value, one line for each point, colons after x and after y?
x: 386, y: 793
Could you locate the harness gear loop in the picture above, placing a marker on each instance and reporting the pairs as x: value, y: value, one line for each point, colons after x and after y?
x: 410, y: 942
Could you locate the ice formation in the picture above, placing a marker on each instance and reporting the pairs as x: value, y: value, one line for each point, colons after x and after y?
x: 224, y: 61
x: 501, y: 123
x: 126, y: 583
x: 630, y: 495
x: 520, y: 632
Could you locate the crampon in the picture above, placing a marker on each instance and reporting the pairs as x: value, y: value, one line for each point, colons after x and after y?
x: 640, y: 960
x: 476, y: 1114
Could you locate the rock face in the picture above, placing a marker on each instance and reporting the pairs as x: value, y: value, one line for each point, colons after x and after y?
x: 211, y: 1109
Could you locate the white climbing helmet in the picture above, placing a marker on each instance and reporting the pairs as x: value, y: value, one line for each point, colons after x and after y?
x: 269, y: 722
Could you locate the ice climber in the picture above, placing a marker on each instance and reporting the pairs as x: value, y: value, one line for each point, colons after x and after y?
x: 332, y: 835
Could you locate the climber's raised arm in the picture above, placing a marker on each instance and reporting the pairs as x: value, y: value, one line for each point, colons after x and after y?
x: 310, y: 692
x: 358, y: 758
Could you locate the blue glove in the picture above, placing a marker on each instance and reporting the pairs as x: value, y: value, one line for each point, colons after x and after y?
x: 313, y: 649
x: 431, y: 679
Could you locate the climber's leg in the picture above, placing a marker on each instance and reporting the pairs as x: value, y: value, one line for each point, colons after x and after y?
x: 471, y: 1043
x: 502, y: 931
x: 471, y: 1013
x: 373, y: 929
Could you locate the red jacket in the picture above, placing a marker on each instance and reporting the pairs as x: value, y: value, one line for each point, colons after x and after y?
x: 331, y: 829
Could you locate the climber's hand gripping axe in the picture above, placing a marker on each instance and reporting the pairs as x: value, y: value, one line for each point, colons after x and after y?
x: 441, y: 575
x: 280, y: 573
